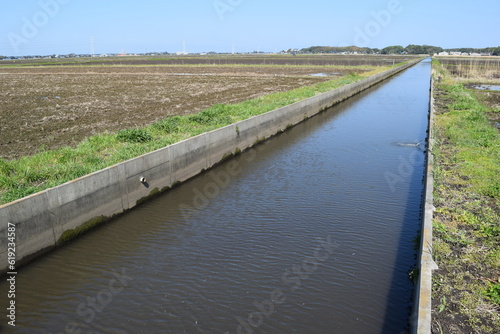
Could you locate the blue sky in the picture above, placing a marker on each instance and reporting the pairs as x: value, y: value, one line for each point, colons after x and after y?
x: 64, y: 26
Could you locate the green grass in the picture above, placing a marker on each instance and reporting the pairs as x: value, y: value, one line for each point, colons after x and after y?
x: 477, y: 142
x: 493, y: 292
x: 466, y: 226
x: 28, y: 175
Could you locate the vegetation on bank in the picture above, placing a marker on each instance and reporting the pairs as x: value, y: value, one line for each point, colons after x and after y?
x: 466, y: 248
x: 31, y: 174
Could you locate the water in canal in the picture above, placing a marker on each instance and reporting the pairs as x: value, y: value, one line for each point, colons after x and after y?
x: 310, y: 232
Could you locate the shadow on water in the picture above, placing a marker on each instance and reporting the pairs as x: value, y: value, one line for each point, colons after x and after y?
x: 407, y: 238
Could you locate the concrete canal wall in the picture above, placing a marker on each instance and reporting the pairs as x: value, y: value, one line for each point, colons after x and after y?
x: 422, y: 307
x: 50, y: 218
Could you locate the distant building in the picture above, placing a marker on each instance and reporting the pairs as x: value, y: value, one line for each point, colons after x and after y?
x: 444, y: 53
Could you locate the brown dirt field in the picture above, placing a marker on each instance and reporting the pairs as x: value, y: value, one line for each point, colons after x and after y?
x: 58, y: 106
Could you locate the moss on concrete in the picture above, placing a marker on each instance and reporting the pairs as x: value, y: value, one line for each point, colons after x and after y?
x: 73, y: 233
x: 152, y: 194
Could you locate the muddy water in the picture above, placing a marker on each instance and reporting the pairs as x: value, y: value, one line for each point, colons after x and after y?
x: 311, y: 232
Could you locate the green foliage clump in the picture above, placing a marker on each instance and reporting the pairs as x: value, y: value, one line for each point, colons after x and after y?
x: 493, y: 292
x: 168, y: 125
x: 134, y: 136
x: 395, y: 49
x: 216, y: 115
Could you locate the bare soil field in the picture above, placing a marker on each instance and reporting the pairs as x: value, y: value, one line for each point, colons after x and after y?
x: 54, y: 107
x: 45, y: 105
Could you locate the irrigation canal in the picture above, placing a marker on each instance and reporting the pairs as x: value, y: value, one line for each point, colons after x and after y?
x: 310, y: 232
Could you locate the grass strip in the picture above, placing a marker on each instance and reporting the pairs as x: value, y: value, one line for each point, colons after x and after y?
x: 466, y: 288
x: 47, y: 169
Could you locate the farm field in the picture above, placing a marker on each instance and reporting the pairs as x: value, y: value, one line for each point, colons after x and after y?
x: 54, y: 107
x: 478, y: 75
x: 58, y: 123
x: 472, y: 68
x: 48, y: 106
x: 238, y: 59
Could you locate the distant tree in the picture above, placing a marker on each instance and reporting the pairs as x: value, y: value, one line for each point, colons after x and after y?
x: 433, y: 49
x: 414, y: 49
x: 336, y: 49
x: 395, y: 49
x: 490, y: 50
x: 423, y: 49
x: 2, y: 57
x: 496, y: 51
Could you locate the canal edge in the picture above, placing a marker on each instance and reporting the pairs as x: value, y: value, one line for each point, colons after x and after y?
x: 422, y: 313
x: 51, y: 218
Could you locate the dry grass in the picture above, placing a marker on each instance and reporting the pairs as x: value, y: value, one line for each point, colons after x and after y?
x: 472, y: 70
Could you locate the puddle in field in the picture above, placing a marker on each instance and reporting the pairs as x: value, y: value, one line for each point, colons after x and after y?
x: 487, y: 87
x: 191, y: 74
x: 324, y: 74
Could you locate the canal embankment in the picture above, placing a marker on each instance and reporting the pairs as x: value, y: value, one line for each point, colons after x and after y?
x: 422, y: 308
x: 54, y: 216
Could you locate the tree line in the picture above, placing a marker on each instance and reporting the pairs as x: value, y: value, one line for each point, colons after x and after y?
x: 398, y: 49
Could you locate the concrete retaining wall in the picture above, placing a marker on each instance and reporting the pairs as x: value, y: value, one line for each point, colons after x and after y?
x: 422, y: 307
x: 49, y: 218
